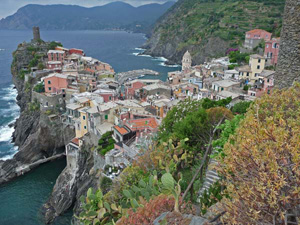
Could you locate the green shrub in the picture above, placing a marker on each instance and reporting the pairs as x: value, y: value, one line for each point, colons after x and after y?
x: 40, y: 88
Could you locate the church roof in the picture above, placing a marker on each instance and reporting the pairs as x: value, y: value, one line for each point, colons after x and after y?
x: 187, y: 55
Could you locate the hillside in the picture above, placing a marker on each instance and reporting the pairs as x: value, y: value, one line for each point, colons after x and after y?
x: 208, y: 27
x: 116, y: 15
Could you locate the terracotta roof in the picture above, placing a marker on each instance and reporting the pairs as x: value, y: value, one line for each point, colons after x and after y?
x: 255, y: 31
x: 141, y: 123
x: 90, y: 70
x: 75, y: 141
x: 121, y: 130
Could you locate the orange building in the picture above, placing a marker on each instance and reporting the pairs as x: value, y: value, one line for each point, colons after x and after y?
x: 56, y: 83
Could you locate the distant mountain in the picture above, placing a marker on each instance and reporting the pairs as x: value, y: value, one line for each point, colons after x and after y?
x: 116, y: 15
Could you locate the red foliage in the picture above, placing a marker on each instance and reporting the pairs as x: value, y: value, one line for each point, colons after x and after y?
x: 151, y: 210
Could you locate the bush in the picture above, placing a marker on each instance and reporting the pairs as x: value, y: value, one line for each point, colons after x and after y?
x: 246, y: 88
x: 106, y: 143
x: 54, y: 44
x: 261, y: 164
x: 40, y: 88
x: 241, y: 107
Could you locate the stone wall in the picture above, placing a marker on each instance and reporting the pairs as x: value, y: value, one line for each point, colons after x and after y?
x: 48, y: 102
x: 288, y: 68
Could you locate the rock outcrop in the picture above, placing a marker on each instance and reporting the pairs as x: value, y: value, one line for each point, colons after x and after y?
x: 71, y: 184
x: 288, y: 68
x: 36, y: 136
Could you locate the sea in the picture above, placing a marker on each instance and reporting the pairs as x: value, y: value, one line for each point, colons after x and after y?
x: 22, y: 198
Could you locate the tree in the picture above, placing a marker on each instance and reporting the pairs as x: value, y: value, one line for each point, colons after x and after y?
x: 261, y: 163
x: 241, y: 107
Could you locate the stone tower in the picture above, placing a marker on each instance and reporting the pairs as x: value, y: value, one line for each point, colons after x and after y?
x: 186, y: 61
x: 288, y: 67
x: 36, y: 33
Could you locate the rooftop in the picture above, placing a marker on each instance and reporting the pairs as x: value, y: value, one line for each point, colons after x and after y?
x: 156, y: 86
x: 141, y: 123
x: 225, y: 83
x: 121, y: 130
x: 267, y: 73
x: 227, y: 94
x: 56, y: 51
x: 58, y: 75
x: 256, y: 56
x: 73, y: 106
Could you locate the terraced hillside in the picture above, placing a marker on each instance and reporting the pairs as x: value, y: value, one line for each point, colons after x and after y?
x: 210, y: 27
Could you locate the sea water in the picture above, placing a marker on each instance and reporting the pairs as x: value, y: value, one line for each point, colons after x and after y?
x: 22, y: 198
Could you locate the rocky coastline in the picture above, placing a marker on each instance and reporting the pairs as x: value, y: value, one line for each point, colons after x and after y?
x: 35, y: 135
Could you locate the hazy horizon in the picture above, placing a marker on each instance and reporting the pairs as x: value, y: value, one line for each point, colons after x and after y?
x: 9, y: 7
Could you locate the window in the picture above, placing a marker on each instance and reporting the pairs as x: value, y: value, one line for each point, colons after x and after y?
x: 258, y: 67
x: 268, y: 80
x: 259, y: 60
x: 158, y: 92
x: 49, y: 81
x: 49, y: 88
x: 83, y: 117
x: 267, y: 46
x: 85, y: 127
x: 109, y: 97
x: 106, y: 117
x: 222, y: 89
x: 63, y: 90
x: 247, y: 74
x: 256, y: 74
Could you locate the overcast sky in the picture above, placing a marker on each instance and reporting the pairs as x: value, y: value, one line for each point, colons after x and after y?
x: 8, y: 7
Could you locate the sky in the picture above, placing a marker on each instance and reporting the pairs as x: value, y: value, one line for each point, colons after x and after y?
x: 9, y: 7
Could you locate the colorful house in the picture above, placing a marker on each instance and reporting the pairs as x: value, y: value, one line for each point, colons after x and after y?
x: 263, y: 85
x: 254, y: 37
x: 272, y: 51
x: 56, y: 55
x: 56, y: 83
x: 76, y: 51
x: 131, y: 87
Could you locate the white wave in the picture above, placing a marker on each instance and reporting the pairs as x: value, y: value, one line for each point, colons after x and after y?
x: 135, y: 53
x: 161, y: 59
x: 139, y: 49
x: 149, y: 56
x: 165, y: 65
x: 12, y: 152
x: 6, y: 133
x: 10, y: 95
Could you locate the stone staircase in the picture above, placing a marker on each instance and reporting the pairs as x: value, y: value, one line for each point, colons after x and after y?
x: 211, y: 177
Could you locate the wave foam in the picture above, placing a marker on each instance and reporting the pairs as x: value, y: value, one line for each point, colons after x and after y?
x: 165, y: 65
x: 6, y: 133
x: 139, y: 49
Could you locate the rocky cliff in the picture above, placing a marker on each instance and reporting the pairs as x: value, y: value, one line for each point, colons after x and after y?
x: 208, y: 28
x: 36, y: 136
x: 288, y: 68
x: 71, y: 184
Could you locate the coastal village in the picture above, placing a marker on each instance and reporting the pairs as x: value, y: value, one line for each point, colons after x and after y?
x: 210, y: 137
x: 119, y: 114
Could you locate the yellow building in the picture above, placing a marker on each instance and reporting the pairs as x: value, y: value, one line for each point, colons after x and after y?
x: 256, y: 66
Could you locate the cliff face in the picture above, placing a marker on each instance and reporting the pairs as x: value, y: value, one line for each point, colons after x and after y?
x: 71, y: 184
x: 36, y: 136
x: 288, y: 68
x: 208, y: 28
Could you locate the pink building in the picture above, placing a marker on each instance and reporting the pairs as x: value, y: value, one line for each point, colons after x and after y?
x: 54, y: 65
x: 254, y: 37
x: 131, y: 87
x: 76, y: 51
x: 108, y: 95
x: 56, y: 83
x: 272, y: 50
x: 263, y: 85
x: 56, y: 55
